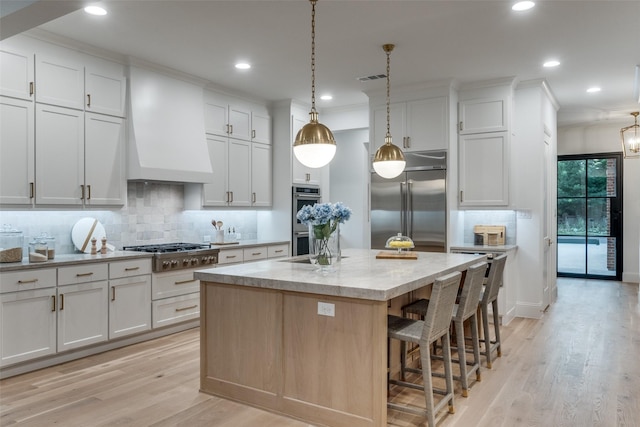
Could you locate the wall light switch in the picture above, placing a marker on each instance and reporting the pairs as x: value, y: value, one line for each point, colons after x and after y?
x: 326, y: 309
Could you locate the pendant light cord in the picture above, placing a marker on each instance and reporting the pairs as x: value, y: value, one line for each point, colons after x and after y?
x: 388, y: 51
x: 313, y: 55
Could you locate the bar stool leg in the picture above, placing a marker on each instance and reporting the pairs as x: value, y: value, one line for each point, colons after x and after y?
x: 496, y: 325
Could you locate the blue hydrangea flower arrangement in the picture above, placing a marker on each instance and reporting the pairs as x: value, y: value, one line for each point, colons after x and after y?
x: 323, y: 219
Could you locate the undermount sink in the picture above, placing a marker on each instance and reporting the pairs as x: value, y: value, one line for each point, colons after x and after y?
x: 302, y: 259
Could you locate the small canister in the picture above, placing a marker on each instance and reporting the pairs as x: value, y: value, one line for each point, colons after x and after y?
x: 38, y: 251
x: 51, y: 244
x: 11, y: 243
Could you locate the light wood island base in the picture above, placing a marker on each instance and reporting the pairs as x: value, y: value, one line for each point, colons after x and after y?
x: 272, y: 349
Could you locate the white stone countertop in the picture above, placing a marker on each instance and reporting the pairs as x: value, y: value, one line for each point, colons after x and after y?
x: 359, y: 275
x: 484, y: 248
x: 73, y: 259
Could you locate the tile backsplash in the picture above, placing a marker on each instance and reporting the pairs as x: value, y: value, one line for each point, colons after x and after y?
x: 154, y: 214
x: 506, y: 218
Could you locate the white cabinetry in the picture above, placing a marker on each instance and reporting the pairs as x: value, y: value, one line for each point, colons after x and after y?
x: 59, y: 82
x: 27, y: 315
x: 59, y: 155
x: 484, y: 169
x: 16, y: 74
x: 17, y: 151
x: 261, y: 175
x: 240, y: 153
x: 71, y: 168
x: 176, y: 297
x: 484, y: 145
x: 129, y: 297
x: 419, y: 125
x: 81, y: 305
x: 252, y: 253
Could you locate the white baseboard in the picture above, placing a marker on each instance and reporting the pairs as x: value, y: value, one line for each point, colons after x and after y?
x: 507, y: 317
x: 531, y: 311
x: 631, y: 277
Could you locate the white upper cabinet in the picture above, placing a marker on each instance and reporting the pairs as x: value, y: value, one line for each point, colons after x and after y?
x: 239, y: 164
x: 59, y: 82
x: 16, y: 74
x: 261, y: 175
x: 59, y: 155
x: 215, y: 193
x: 484, y: 169
x: 104, y: 175
x: 419, y: 125
x: 239, y: 123
x: 17, y: 151
x: 261, y: 128
x: 106, y: 88
x: 216, y: 118
x: 483, y: 115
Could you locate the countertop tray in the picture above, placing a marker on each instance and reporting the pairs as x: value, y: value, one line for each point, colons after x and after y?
x: 396, y: 255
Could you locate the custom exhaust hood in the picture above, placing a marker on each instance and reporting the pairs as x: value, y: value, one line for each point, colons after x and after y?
x: 166, y: 129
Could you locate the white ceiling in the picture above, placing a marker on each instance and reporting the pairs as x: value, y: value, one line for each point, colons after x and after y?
x: 597, y: 42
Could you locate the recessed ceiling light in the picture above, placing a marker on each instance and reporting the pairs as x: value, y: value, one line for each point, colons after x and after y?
x: 522, y: 5
x: 95, y: 10
x: 326, y: 97
x: 551, y: 64
x: 594, y: 89
x: 243, y: 66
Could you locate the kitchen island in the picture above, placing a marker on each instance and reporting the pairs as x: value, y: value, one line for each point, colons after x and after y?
x: 281, y: 336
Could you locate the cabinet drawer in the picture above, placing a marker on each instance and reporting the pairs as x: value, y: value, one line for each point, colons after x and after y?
x: 174, y: 283
x: 174, y: 310
x: 228, y: 256
x: 26, y: 280
x: 277, y: 251
x: 133, y: 267
x: 255, y: 254
x: 82, y: 273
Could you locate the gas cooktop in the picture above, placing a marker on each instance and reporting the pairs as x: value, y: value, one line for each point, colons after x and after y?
x: 166, y: 247
x: 178, y: 256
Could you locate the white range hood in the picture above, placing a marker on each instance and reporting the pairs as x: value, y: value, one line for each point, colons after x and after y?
x: 166, y: 129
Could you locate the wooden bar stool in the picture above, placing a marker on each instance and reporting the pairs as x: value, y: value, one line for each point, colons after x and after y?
x: 465, y: 310
x: 490, y: 296
x: 424, y: 332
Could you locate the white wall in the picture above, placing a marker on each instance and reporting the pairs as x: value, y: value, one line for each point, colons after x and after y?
x: 604, y: 137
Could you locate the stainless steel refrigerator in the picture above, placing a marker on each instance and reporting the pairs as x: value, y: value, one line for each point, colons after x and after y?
x: 413, y: 203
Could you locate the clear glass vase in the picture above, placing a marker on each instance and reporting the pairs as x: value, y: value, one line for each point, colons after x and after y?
x: 324, y: 246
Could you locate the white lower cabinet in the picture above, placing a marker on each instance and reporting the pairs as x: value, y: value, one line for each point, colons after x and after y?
x: 82, y: 315
x: 176, y: 297
x: 27, y: 315
x: 129, y: 297
x: 28, y: 325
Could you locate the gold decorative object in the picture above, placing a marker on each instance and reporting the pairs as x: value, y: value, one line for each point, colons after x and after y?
x: 388, y: 161
x: 314, y: 145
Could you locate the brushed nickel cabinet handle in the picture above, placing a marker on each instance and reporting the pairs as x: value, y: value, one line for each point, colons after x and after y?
x: 131, y: 268
x: 253, y: 134
x: 24, y: 282
x: 256, y: 253
x: 253, y: 197
x: 183, y: 282
x: 229, y: 256
x: 88, y: 100
x: 32, y: 190
x: 231, y: 193
x: 461, y: 198
x: 187, y: 308
x: 89, y: 191
x: 61, y: 302
x: 461, y: 127
x: 53, y: 303
x: 408, y: 142
x: 81, y: 191
x: 113, y: 293
x: 279, y: 250
x: 31, y: 88
x: 231, y: 127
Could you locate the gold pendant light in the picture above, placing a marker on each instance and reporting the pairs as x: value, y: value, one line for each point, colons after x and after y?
x: 630, y: 136
x: 388, y: 161
x: 314, y: 145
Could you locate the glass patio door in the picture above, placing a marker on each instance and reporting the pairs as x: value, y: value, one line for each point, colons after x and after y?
x: 589, y: 216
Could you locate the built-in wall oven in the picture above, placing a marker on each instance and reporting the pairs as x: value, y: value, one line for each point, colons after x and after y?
x: 302, y: 195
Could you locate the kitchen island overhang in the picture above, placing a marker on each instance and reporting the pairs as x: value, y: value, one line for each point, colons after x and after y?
x: 281, y: 336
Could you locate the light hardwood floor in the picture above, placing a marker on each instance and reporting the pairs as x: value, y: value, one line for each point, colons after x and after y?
x: 577, y: 366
